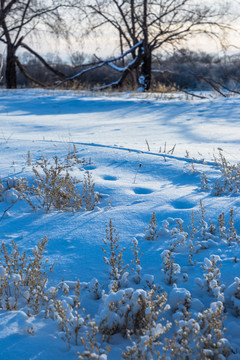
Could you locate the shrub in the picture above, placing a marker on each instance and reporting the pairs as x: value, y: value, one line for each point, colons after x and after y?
x: 23, y: 278
x: 131, y: 311
x: 230, y: 179
x: 53, y: 186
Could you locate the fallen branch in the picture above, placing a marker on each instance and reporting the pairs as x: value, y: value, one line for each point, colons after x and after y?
x: 40, y: 58
x: 131, y: 66
x: 176, y: 87
x: 210, y: 82
x: 124, y: 70
x: 24, y: 72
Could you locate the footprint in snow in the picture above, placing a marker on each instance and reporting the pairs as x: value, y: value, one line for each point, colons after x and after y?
x: 89, y: 167
x: 183, y: 204
x: 109, y: 178
x: 142, y: 191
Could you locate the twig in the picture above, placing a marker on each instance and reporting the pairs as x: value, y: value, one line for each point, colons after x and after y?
x: 147, y: 145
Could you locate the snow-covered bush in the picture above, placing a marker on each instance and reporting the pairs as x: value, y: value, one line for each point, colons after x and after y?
x: 212, y: 275
x: 10, y: 189
x: 95, y: 289
x: 183, y: 344
x: 204, y: 234
x: 212, y: 344
x: 131, y: 311
x: 179, y: 298
x: 232, y: 296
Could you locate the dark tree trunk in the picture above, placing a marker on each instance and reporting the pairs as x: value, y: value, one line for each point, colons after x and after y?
x: 11, y: 74
x: 146, y: 70
x: 146, y: 64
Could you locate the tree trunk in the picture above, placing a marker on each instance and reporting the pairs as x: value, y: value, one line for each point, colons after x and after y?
x: 146, y: 70
x: 146, y: 64
x: 11, y: 75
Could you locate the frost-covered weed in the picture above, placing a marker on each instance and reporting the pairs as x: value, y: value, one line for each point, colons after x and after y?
x: 169, y: 267
x: 95, y: 289
x: 23, y: 277
x: 151, y: 233
x: 64, y: 308
x: 232, y: 236
x: 146, y: 340
x: 10, y: 190
x: 199, y: 338
x: 113, y: 256
x: 183, y: 344
x: 212, y: 344
x: 204, y: 182
x: 203, y: 233
x: 136, y: 262
x: 179, y: 298
x: 93, y: 349
x: 212, y: 275
x: 229, y: 182
x: 232, y: 296
x: 53, y: 186
x: 132, y: 311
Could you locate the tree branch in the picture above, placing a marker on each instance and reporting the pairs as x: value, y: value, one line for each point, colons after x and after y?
x: 23, y: 70
x: 49, y: 67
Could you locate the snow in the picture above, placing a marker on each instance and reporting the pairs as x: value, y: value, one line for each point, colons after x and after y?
x: 112, y: 130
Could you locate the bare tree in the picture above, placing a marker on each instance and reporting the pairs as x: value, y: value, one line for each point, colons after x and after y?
x: 19, y: 19
x: 155, y: 24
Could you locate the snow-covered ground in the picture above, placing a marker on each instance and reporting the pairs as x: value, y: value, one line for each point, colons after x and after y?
x: 147, y: 155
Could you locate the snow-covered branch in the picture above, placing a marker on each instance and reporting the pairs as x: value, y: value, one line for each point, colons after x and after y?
x: 111, y: 64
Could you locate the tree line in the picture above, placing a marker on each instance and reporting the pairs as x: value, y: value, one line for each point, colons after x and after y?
x: 145, y: 29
